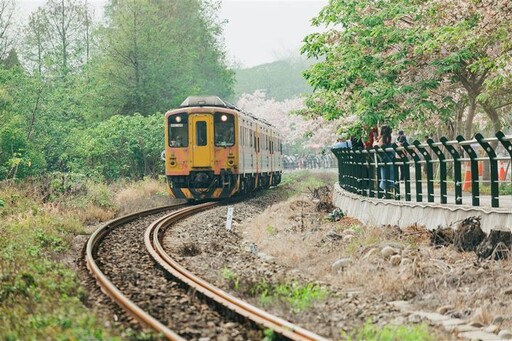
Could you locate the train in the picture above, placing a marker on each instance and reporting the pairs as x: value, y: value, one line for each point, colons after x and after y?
x: 214, y: 150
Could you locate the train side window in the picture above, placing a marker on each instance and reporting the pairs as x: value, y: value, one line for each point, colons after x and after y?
x: 201, y: 137
x: 178, y: 130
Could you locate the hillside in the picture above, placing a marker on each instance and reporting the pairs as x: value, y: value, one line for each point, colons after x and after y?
x: 280, y: 80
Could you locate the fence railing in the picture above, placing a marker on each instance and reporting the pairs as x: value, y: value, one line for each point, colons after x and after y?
x: 475, y: 172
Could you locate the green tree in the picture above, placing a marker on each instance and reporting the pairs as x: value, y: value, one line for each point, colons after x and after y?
x: 6, y: 27
x: 362, y: 61
x: 153, y: 54
x: 411, y: 60
x: 122, y: 146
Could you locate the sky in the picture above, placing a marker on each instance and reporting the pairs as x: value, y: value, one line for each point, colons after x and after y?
x: 256, y: 32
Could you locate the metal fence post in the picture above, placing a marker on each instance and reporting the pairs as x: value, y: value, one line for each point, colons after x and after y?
x: 456, y: 169
x: 417, y: 172
x: 442, y: 170
x: 429, y: 170
x: 475, y: 188
x: 491, y: 153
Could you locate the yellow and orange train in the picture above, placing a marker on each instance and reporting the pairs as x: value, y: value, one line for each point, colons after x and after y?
x: 215, y: 150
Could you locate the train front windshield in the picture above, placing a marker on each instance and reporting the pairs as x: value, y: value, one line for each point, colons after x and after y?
x: 224, y: 129
x: 178, y: 130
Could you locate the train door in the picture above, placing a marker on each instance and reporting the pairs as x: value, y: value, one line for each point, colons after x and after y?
x: 201, y: 141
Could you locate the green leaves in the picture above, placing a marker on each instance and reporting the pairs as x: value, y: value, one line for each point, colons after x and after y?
x: 402, y: 59
x: 155, y: 54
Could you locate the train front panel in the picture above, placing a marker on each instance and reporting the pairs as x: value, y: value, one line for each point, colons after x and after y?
x: 201, y: 152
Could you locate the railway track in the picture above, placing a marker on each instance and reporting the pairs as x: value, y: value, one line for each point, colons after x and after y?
x: 183, y: 316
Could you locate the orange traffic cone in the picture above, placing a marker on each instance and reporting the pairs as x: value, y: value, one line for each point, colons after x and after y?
x: 501, y: 173
x: 467, y: 178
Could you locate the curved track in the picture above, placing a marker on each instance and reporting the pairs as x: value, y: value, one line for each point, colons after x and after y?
x: 152, y: 240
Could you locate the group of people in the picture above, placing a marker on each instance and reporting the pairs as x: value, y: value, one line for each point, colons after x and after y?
x: 383, y: 139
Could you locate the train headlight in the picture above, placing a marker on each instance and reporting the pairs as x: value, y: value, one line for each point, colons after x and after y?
x: 231, y: 162
x: 223, y: 118
x: 178, y: 119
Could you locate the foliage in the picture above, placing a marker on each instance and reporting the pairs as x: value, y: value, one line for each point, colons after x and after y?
x: 152, y: 55
x: 40, y: 298
x: 230, y: 276
x: 411, y: 60
x: 301, y: 181
x: 298, y: 296
x: 72, y: 74
x: 371, y: 332
x: 299, y: 134
x: 122, y: 146
x: 280, y: 80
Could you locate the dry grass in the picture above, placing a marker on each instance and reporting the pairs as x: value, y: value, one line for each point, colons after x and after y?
x: 134, y: 197
x: 301, y: 238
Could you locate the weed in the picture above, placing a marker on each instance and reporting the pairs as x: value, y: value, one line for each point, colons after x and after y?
x: 371, y: 332
x: 299, y: 297
x: 271, y: 230
x: 230, y: 276
x: 270, y: 335
x: 299, y: 182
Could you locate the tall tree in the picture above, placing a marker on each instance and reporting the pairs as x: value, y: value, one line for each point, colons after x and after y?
x: 412, y: 60
x: 6, y: 27
x: 155, y: 53
x: 57, y: 38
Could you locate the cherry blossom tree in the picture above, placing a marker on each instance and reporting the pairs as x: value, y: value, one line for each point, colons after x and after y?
x: 299, y: 134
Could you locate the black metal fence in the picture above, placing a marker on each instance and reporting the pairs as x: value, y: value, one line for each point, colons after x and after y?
x: 475, y: 172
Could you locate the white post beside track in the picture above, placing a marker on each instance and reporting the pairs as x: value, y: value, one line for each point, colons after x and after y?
x: 229, y: 218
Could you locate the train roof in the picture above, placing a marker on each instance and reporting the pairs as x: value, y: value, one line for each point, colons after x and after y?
x: 209, y: 101
x: 215, y: 101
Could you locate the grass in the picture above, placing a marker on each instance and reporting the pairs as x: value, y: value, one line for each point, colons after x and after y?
x: 40, y: 297
x: 297, y: 296
x: 302, y: 181
x: 371, y: 332
x: 231, y: 277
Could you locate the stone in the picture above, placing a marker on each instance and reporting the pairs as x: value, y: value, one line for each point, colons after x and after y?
x: 370, y: 253
x: 497, y: 320
x: 405, y: 261
x: 478, y: 335
x: 395, y: 260
x: 341, y: 264
x: 507, y: 291
x: 492, y: 329
x: 505, y: 334
x: 388, y: 251
x: 476, y: 324
x: 444, y: 309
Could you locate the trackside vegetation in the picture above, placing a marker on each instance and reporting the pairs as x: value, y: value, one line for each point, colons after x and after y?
x: 43, y: 227
x: 39, y: 296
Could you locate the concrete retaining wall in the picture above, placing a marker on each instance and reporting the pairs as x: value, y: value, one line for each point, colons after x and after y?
x: 371, y: 211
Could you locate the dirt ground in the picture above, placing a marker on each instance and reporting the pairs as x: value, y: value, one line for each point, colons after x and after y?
x: 364, y: 268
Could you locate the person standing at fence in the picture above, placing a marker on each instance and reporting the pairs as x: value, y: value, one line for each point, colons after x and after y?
x: 387, y: 174
x: 342, y: 142
x: 401, y: 140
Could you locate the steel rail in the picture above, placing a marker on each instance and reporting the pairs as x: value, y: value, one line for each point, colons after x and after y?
x: 109, y: 288
x: 152, y: 238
